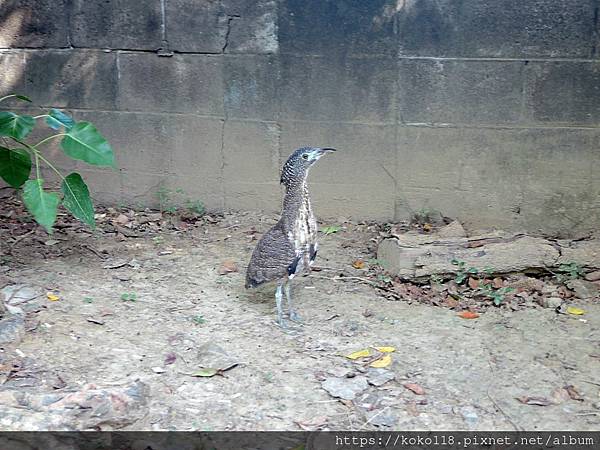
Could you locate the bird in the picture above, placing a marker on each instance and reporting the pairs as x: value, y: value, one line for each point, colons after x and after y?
x: 290, y: 246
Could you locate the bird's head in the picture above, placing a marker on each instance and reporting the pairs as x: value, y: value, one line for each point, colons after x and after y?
x: 297, y: 165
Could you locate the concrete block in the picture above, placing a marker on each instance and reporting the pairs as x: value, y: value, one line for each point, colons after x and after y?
x: 140, y: 189
x: 337, y: 27
x: 139, y: 141
x: 251, y: 152
x: 196, y: 26
x: 182, y: 83
x: 357, y: 180
x: 33, y: 23
x: 63, y: 79
x: 252, y: 26
x: 342, y: 89
x: 251, y: 86
x: 265, y: 196
x: 105, y: 185
x: 118, y: 24
x: 564, y: 92
x: 538, y: 180
x: 196, y: 148
x: 466, y: 92
x: 504, y: 28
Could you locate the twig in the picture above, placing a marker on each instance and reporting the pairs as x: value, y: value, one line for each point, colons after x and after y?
x: 94, y: 251
x: 21, y: 237
x: 591, y: 382
x: 506, y: 416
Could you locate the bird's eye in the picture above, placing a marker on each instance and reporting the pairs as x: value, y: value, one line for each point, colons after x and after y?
x: 305, y: 156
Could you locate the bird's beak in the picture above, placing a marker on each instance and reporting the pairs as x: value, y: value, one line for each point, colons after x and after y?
x: 327, y: 150
x: 318, y: 152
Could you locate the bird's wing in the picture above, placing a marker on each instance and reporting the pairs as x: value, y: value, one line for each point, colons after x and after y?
x: 272, y: 258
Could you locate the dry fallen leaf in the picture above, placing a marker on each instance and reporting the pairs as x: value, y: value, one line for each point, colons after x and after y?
x: 498, y: 283
x: 358, y: 264
x: 473, y: 283
x: 385, y: 349
x: 359, y: 354
x: 228, y: 266
x: 415, y: 388
x: 559, y: 395
x: 575, y: 311
x: 468, y: 315
x: 380, y: 363
x: 52, y: 297
x: 537, y: 401
x: 427, y: 227
x: 572, y: 391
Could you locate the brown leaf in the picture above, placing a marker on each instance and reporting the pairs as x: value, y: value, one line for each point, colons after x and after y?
x: 414, y: 387
x: 572, y: 391
x: 358, y: 264
x: 473, y: 283
x: 498, y: 283
x: 427, y: 227
x: 450, y: 302
x: 537, y: 401
x: 228, y: 266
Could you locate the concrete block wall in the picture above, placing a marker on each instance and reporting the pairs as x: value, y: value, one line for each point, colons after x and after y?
x: 488, y: 111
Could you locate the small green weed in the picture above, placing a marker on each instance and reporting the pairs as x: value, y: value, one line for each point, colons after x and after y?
x: 129, y: 296
x: 330, y: 229
x: 568, y: 272
x: 198, y: 319
x: 462, y: 273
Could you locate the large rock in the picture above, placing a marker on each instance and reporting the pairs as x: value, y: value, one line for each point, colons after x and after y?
x: 413, y: 255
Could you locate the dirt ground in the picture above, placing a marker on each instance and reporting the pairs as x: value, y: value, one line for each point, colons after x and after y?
x: 143, y: 306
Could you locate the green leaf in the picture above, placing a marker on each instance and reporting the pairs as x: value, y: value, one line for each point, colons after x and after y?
x: 77, y: 199
x: 83, y: 142
x: 42, y: 205
x: 331, y: 229
x: 56, y: 119
x: 15, y: 126
x: 15, y: 166
x: 208, y: 372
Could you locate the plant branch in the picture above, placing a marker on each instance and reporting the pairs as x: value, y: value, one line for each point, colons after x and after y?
x: 43, y: 141
x: 38, y: 155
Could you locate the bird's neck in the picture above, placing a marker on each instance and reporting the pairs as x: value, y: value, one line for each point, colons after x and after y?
x: 295, y: 201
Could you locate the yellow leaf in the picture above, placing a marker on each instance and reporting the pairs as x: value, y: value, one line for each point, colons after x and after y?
x: 575, y: 311
x: 52, y: 297
x: 359, y: 354
x: 382, y: 362
x: 385, y: 349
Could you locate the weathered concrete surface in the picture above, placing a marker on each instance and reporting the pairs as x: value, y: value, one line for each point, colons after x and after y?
x: 503, y: 28
x: 34, y: 23
x: 465, y: 92
x: 485, y: 111
x: 120, y: 24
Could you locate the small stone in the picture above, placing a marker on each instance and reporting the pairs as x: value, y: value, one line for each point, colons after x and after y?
x: 551, y: 302
x: 468, y: 413
x: 339, y: 372
x: 583, y: 289
x: 593, y: 276
x: 158, y: 370
x: 382, y: 418
x: 345, y: 388
x: 378, y: 377
x: 12, y: 329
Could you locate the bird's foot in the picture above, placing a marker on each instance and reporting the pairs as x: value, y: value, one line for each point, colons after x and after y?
x: 295, y: 317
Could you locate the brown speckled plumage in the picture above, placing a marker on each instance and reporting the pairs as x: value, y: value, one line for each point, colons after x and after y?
x: 291, y: 244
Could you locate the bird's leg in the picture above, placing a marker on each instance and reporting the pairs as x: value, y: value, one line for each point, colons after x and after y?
x: 278, y: 300
x: 288, y: 294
